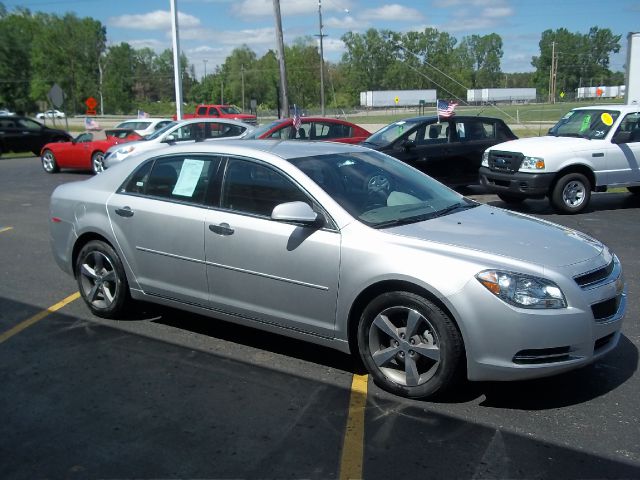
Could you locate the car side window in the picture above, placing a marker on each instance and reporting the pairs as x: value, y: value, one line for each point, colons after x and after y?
x: 182, y: 178
x: 252, y: 188
x: 28, y: 124
x: 436, y: 133
x: 326, y: 131
x: 84, y: 137
x: 220, y: 130
x: 631, y: 123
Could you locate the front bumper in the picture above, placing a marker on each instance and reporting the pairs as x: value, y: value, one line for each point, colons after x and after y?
x: 518, y: 183
x: 508, y: 343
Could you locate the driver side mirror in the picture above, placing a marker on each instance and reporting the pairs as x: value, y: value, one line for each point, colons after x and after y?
x: 297, y: 212
x: 621, y: 137
x: 169, y: 139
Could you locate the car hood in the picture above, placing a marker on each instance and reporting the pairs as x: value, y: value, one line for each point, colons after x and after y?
x: 547, y: 145
x: 495, y: 231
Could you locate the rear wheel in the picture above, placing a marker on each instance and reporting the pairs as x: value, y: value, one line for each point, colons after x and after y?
x: 510, y: 198
x: 410, y: 346
x: 97, y: 162
x: 49, y: 162
x: 571, y: 193
x: 101, y: 279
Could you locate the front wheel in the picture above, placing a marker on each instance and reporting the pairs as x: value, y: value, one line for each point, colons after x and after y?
x: 97, y: 162
x: 102, y: 280
x: 571, y: 193
x: 49, y: 162
x: 410, y: 346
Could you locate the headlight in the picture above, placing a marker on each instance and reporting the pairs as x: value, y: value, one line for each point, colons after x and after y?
x: 485, y: 159
x: 123, y: 152
x: 532, y: 163
x: 522, y: 291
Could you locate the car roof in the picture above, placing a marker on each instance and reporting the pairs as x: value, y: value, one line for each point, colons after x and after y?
x: 454, y: 117
x: 621, y: 107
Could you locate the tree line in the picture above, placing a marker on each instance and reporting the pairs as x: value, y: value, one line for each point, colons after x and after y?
x: 38, y: 50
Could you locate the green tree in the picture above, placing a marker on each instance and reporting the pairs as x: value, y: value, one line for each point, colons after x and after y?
x: 485, y: 53
x: 119, y: 65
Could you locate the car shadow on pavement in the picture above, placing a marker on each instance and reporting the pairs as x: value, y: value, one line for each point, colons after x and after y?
x: 600, y: 202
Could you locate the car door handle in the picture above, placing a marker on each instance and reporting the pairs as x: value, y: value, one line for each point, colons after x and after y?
x: 222, y: 229
x: 124, y: 212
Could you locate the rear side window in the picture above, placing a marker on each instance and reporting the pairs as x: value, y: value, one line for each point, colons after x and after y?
x: 182, y: 178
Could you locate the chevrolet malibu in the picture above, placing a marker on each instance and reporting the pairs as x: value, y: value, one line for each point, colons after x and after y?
x: 346, y: 247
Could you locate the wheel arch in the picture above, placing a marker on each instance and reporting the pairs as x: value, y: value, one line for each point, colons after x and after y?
x: 385, y: 286
x: 577, y: 168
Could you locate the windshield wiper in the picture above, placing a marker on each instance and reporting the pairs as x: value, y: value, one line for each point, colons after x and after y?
x: 453, y: 208
x: 403, y: 221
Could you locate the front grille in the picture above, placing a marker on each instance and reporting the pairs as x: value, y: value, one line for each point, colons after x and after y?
x: 508, y: 162
x: 602, y: 342
x: 541, y: 355
x: 602, y: 311
x: 588, y: 279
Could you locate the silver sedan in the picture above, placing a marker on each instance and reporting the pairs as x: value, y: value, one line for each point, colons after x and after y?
x: 346, y: 247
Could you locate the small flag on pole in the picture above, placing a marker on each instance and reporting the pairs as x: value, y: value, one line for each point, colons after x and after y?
x: 445, y: 108
x: 91, y: 124
x: 142, y: 114
x: 297, y: 121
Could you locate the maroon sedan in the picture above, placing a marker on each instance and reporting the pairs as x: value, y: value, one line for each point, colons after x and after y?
x: 86, y: 151
x: 311, y: 128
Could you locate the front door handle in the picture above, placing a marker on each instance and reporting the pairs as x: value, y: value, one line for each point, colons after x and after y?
x: 124, y: 212
x: 222, y: 229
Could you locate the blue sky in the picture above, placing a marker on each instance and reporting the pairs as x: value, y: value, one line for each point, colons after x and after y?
x: 211, y: 29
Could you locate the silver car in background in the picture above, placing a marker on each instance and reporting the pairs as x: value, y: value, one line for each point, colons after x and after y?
x: 179, y: 132
x: 346, y: 247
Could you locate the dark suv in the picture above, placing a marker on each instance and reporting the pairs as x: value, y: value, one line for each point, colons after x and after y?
x: 450, y: 150
x: 22, y: 134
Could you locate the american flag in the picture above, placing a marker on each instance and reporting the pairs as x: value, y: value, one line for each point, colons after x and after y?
x: 297, y: 121
x: 142, y: 114
x: 445, y: 108
x: 91, y: 124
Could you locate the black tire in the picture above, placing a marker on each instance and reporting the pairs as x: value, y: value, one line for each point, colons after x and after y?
x: 102, y: 280
x: 49, y: 163
x: 510, y: 198
x: 634, y: 190
x: 571, y: 193
x: 410, y: 346
x: 97, y: 162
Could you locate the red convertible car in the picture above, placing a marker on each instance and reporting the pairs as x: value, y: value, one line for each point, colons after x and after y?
x: 311, y: 128
x: 85, y: 152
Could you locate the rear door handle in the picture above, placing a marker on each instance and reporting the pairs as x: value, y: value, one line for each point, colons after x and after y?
x: 222, y: 229
x: 124, y: 212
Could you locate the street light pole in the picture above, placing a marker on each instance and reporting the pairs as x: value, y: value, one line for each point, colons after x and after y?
x: 321, y: 59
x: 177, y: 73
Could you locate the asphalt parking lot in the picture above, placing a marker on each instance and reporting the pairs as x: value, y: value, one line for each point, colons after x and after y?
x: 166, y: 394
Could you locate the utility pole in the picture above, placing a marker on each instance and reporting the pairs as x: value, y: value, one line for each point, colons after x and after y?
x: 242, y: 78
x: 551, y: 72
x: 283, y: 69
x: 177, y: 73
x: 321, y: 59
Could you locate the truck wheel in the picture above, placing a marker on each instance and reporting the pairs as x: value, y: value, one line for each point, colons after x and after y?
x: 510, y: 199
x: 571, y: 193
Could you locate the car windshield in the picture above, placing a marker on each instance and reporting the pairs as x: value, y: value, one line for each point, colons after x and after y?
x: 381, y: 191
x: 391, y: 132
x: 231, y: 109
x: 160, y: 132
x: 592, y: 124
x: 261, y: 130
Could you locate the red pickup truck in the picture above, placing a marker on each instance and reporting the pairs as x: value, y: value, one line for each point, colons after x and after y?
x: 221, y: 111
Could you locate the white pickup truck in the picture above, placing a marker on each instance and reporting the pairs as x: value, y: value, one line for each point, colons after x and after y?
x: 589, y: 150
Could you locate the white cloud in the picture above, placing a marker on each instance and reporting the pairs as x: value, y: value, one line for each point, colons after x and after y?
x: 346, y: 23
x: 158, y: 20
x: 152, y: 43
x: 264, y: 8
x: 392, y: 12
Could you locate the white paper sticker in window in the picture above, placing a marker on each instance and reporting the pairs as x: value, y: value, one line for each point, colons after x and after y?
x: 188, y: 179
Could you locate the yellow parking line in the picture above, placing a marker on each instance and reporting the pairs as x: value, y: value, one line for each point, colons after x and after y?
x: 353, y: 446
x: 37, y: 317
x: 5, y: 229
